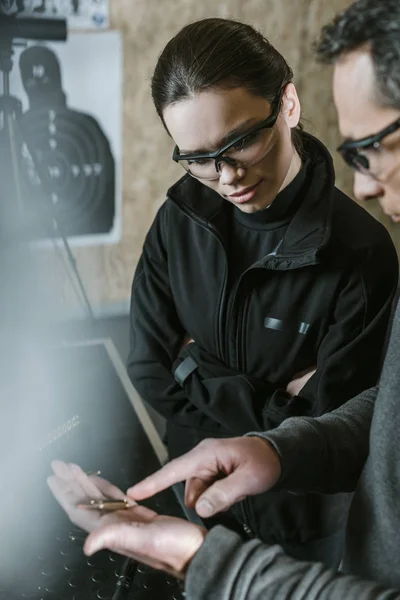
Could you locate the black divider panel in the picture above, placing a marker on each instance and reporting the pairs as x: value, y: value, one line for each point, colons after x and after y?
x: 91, y: 422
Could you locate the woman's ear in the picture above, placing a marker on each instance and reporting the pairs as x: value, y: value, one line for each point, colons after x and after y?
x: 291, y: 106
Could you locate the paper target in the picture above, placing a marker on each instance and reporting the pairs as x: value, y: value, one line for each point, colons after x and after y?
x: 68, y: 137
x: 68, y: 171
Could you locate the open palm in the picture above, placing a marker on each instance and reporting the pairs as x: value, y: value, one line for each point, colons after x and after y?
x: 162, y: 542
x: 71, y: 486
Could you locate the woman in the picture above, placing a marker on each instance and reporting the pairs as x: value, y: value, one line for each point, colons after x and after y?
x: 282, y: 284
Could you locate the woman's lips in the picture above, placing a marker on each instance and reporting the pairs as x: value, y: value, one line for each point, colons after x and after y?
x: 246, y: 194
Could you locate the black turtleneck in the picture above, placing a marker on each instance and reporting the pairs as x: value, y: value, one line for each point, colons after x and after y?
x: 253, y: 236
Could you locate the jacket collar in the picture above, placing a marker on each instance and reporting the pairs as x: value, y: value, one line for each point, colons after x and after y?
x: 308, y: 232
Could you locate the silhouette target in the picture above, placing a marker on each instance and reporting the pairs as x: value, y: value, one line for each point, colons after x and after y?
x: 66, y: 163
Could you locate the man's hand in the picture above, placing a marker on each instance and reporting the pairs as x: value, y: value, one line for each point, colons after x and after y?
x: 295, y: 386
x: 218, y: 473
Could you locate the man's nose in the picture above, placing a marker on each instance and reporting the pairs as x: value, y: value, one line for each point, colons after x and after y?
x: 366, y: 187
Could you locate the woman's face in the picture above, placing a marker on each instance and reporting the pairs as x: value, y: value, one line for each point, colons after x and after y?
x: 204, y: 122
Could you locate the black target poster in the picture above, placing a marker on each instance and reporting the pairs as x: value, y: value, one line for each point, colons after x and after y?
x: 68, y: 136
x: 80, y: 14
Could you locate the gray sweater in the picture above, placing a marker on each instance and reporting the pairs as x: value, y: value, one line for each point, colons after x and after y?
x: 355, y: 448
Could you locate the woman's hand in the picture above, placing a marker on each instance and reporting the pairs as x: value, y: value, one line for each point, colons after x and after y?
x: 186, y: 340
x: 71, y: 486
x: 162, y: 542
x: 295, y: 386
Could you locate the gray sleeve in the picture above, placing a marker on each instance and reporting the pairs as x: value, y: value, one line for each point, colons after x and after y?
x: 227, y: 568
x: 325, y: 454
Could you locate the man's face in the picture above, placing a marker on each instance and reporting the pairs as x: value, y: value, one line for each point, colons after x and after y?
x: 360, y: 115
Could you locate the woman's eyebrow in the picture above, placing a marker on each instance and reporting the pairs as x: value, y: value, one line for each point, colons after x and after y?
x: 237, y: 131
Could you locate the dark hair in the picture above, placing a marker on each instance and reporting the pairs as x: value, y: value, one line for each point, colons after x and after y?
x: 219, y: 54
x: 376, y: 25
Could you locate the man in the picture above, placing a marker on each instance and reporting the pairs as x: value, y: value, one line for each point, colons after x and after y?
x: 354, y: 448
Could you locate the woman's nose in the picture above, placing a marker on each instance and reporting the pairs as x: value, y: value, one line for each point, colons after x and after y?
x: 229, y: 173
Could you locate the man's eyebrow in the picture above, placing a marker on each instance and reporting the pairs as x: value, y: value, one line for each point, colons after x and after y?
x: 348, y: 140
x: 239, y: 130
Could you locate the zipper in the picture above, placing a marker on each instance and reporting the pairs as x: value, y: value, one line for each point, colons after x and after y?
x: 223, y: 347
x: 240, y: 365
x: 229, y: 315
x: 222, y: 301
x: 246, y: 528
x: 240, y: 353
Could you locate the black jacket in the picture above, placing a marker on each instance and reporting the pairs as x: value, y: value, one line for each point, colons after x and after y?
x: 323, y: 299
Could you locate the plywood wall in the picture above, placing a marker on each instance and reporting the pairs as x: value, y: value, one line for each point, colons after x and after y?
x: 147, y: 25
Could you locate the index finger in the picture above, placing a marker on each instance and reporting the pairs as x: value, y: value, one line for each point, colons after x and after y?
x: 177, y: 470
